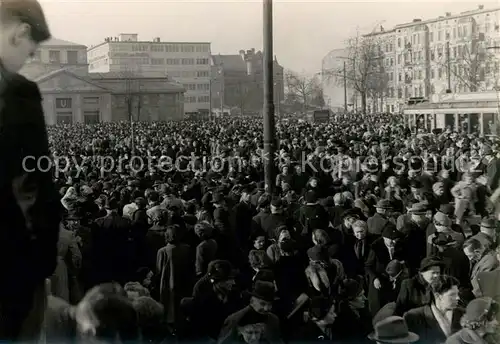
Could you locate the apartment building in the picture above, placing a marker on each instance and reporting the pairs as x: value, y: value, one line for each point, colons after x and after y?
x: 430, y: 57
x: 238, y: 82
x: 185, y: 62
x: 53, y: 55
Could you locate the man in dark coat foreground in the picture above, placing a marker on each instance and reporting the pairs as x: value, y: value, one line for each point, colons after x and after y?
x: 29, y: 203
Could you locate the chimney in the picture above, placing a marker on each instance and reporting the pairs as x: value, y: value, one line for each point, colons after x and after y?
x: 448, y: 14
x: 417, y: 20
x: 481, y: 7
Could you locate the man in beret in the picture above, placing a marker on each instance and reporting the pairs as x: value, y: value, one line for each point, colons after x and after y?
x: 25, y: 188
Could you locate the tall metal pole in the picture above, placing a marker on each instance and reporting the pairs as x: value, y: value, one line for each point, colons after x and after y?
x: 345, y: 88
x: 222, y: 93
x: 269, y: 129
x: 448, y: 65
x: 210, y: 98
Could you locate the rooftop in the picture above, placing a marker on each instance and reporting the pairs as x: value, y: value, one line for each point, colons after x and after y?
x: 233, y: 62
x: 56, y: 42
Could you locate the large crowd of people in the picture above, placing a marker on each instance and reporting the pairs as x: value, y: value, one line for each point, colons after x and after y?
x: 370, y: 232
x: 175, y: 232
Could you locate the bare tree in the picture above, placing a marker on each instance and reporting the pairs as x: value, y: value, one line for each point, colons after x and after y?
x: 302, y: 89
x: 133, y: 99
x: 365, y: 72
x: 469, y: 64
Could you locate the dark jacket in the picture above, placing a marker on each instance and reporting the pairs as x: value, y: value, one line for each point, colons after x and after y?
x: 29, y: 203
x: 422, y: 322
x: 414, y: 293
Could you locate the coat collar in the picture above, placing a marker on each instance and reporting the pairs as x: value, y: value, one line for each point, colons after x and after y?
x: 433, y: 323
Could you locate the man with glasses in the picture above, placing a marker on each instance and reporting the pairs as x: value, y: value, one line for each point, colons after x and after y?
x: 29, y: 205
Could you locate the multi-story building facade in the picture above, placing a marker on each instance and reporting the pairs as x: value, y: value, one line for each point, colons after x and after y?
x: 185, y: 62
x: 444, y: 54
x: 55, y: 54
x: 238, y: 82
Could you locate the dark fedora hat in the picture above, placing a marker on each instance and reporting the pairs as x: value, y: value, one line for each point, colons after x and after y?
x: 442, y: 239
x: 392, y: 330
x: 384, y: 204
x: 264, y: 291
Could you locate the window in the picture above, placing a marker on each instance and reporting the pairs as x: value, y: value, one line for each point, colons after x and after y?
x: 157, y: 48
x: 187, y: 48
x: 465, y: 31
x: 440, y: 35
x: 91, y: 100
x: 54, y: 56
x: 157, y: 62
x: 400, y: 77
x: 400, y: 93
x: 64, y: 103
x: 399, y: 42
x: 202, y: 61
x: 187, y: 61
x: 173, y: 61
x: 172, y: 48
x: 203, y: 99
x: 399, y: 59
x: 392, y: 62
x: 459, y: 31
x: 190, y: 87
x: 64, y: 117
x: 455, y: 52
x: 91, y: 117
x: 454, y: 32
x: 433, y: 74
x: 202, y: 74
x: 440, y: 73
x: 190, y: 99
x: 72, y: 57
x: 431, y: 37
x: 203, y: 87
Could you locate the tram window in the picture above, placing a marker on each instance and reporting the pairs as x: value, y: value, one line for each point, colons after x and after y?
x: 449, y: 121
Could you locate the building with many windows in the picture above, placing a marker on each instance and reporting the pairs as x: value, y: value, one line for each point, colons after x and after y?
x: 238, y: 82
x: 186, y: 62
x: 444, y: 54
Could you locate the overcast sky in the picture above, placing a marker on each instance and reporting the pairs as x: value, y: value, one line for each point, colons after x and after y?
x: 304, y: 31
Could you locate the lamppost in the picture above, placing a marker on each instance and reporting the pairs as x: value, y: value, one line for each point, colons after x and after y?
x: 278, y: 101
x: 268, y: 110
x: 220, y: 71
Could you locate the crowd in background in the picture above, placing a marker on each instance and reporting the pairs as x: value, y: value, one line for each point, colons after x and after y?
x: 372, y: 232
